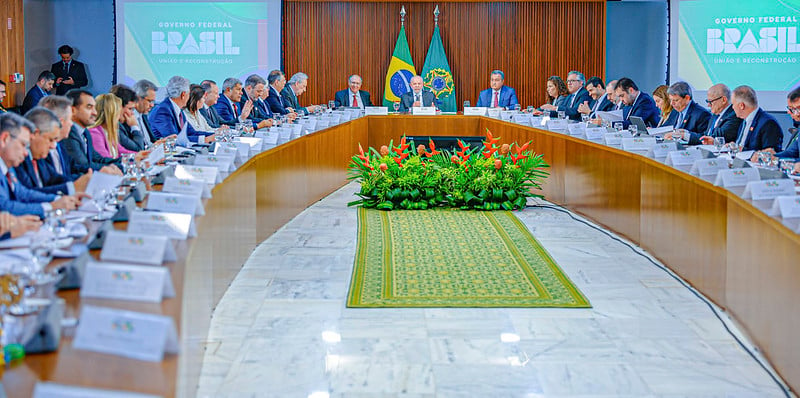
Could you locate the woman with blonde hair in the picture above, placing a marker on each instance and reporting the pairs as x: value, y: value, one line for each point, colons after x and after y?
x: 105, y: 131
x: 668, y: 115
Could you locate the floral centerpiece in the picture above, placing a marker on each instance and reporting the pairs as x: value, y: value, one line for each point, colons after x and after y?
x: 491, y: 177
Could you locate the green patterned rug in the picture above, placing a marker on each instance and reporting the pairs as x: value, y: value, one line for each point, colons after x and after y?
x: 454, y: 258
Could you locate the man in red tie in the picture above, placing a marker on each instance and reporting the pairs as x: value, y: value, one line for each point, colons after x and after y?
x: 498, y: 95
x: 353, y: 97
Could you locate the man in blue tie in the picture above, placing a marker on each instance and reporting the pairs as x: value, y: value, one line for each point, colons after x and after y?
x: 724, y: 122
x: 167, y: 118
x: 759, y: 130
x: 498, y: 95
x: 39, y: 90
x: 78, y: 144
x: 692, y: 118
x: 16, y: 198
x: 277, y: 81
x: 636, y: 103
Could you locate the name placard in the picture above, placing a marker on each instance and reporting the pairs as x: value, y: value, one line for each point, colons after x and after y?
x: 786, y: 206
x: 507, y: 115
x: 255, y: 142
x: 55, y: 390
x: 102, y: 182
x: 768, y: 189
x: 595, y: 133
x: 424, y: 110
x: 708, y: 167
x: 222, y: 149
x: 557, y: 124
x: 186, y: 186
x: 208, y: 174
x: 172, y: 225
x: 493, y: 112
x: 615, y: 138
x: 736, y: 177
x: 475, y: 111
x: 576, y: 128
x: 683, y: 158
x: 136, y: 335
x: 222, y: 162
x: 523, y: 118
x: 661, y: 150
x: 638, y: 143
x: 156, y: 154
x: 127, y: 282
x: 175, y: 203
x: 137, y: 248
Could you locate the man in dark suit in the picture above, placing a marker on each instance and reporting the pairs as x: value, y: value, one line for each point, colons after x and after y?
x: 295, y: 88
x: 277, y: 81
x: 759, y: 129
x: 39, y: 90
x: 130, y: 133
x: 417, y: 96
x: 498, y: 95
x: 167, y: 118
x: 69, y: 72
x: 792, y: 148
x: 723, y: 123
x: 599, y: 102
x: 636, y: 103
x: 691, y: 118
x: 228, y: 107
x: 2, y: 96
x: 145, y: 101
x: 261, y: 115
x: 577, y: 95
x: 208, y: 111
x: 16, y: 198
x: 353, y: 97
x: 78, y: 144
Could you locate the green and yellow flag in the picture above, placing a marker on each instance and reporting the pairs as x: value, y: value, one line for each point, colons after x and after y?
x: 401, y: 70
x: 437, y: 76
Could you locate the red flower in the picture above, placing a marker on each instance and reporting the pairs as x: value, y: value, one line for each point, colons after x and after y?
x: 498, y: 164
x: 421, y: 149
x: 454, y: 159
x: 504, y: 149
x: 384, y: 150
x: 383, y: 167
x: 433, y: 148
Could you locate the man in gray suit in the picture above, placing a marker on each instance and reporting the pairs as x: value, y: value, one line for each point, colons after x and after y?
x: 417, y: 96
x: 294, y: 88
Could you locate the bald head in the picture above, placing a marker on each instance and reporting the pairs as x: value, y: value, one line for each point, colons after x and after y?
x: 719, y: 97
x: 416, y: 83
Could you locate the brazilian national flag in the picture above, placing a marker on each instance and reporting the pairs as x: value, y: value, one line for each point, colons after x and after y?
x: 401, y: 70
x: 437, y: 76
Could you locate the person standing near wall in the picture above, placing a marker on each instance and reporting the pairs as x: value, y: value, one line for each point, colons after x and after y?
x: 69, y: 72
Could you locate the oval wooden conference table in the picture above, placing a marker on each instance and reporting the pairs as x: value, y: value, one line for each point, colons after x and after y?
x: 742, y: 259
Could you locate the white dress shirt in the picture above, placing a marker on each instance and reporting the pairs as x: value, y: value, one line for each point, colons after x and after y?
x: 748, y: 121
x: 350, y: 99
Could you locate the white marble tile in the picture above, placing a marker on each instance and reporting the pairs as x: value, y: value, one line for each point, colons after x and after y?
x: 559, y: 379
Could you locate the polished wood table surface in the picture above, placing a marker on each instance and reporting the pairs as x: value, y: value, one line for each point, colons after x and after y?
x: 742, y: 259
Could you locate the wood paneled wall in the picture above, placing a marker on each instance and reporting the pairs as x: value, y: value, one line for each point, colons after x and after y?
x: 528, y: 40
x: 12, y: 50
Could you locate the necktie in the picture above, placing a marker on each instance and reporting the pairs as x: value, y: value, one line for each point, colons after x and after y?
x: 496, y: 102
x: 418, y: 99
x: 66, y: 67
x: 56, y: 161
x: 711, y: 126
x: 86, y: 145
x: 355, y: 101
x: 572, y: 99
x: 11, y: 180
x: 38, y: 177
x: 235, y: 110
x: 181, y: 120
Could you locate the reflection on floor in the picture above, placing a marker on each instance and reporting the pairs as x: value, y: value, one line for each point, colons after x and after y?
x: 282, y: 328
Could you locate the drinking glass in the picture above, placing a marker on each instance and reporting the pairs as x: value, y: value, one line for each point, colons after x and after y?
x: 517, y: 107
x: 618, y: 126
x: 763, y: 158
x: 530, y: 108
x: 42, y: 245
x: 719, y: 142
x: 396, y: 106
x: 99, y: 200
x: 584, y: 117
x: 331, y: 104
x: 467, y: 104
x: 734, y: 150
x: 633, y: 130
x: 562, y: 115
x: 787, y: 166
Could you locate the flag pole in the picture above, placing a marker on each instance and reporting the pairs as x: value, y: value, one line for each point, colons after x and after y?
x: 436, y: 16
x: 402, y: 15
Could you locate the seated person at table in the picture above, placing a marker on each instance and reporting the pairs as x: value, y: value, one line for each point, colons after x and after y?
x: 130, y: 133
x: 353, y: 97
x: 146, y: 99
x: 600, y: 101
x: 15, y: 198
x: 57, y: 161
x: 230, y: 107
x: 792, y: 150
x: 105, y: 131
x: 611, y: 91
x: 556, y: 93
x: 78, y: 144
x: 692, y: 118
x: 636, y: 103
x: 498, y: 95
x: 35, y: 171
x: 577, y: 95
x: 211, y: 91
x: 277, y: 81
x: 261, y: 115
x: 724, y: 122
x: 42, y: 88
x: 759, y: 130
x: 12, y: 226
x: 192, y: 111
x: 417, y: 96
x: 668, y: 115
x: 295, y: 88
x: 167, y: 118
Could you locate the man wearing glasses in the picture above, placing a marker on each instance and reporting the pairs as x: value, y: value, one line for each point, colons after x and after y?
x: 723, y: 123
x: 146, y: 98
x: 692, y: 118
x: 792, y: 150
x: 577, y: 95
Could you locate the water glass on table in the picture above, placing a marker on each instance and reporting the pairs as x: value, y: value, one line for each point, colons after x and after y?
x: 562, y: 115
x: 396, y: 106
x: 618, y: 126
x: 786, y: 166
x: 467, y: 104
x: 719, y: 142
x: 633, y: 130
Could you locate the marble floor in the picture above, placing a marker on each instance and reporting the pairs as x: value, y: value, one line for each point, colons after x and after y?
x: 282, y: 328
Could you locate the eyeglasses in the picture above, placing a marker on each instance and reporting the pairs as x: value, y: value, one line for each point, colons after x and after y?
x: 793, y: 110
x: 573, y: 81
x: 708, y: 101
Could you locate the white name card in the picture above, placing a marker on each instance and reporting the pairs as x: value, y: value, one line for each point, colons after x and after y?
x: 102, y: 182
x: 576, y: 128
x: 172, y: 225
x: 708, y: 167
x: 137, y: 248
x: 638, y: 143
x: 424, y: 110
x: 786, y: 206
x: 507, y: 115
x: 186, y: 186
x: 736, y: 177
x: 595, y: 133
x: 475, y: 111
x: 663, y: 149
x: 222, y: 162
x: 127, y: 282
x: 156, y: 154
x: 228, y: 151
x: 376, y: 110
x: 683, y: 158
x: 493, y: 112
x: 557, y: 124
x: 523, y: 118
x: 768, y: 189
x: 254, y: 142
x: 208, y: 174
x: 175, y: 203
x: 136, y: 335
x: 615, y: 138
x: 55, y: 390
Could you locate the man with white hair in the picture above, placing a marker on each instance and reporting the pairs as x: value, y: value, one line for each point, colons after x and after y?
x: 167, y: 117
x: 295, y: 87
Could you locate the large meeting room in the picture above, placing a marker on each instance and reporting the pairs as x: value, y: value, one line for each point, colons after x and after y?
x: 406, y: 199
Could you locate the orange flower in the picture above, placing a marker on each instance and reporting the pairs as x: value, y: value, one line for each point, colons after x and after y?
x: 383, y: 167
x: 504, y: 149
x: 498, y: 164
x: 384, y: 150
x: 454, y: 159
x: 420, y: 149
